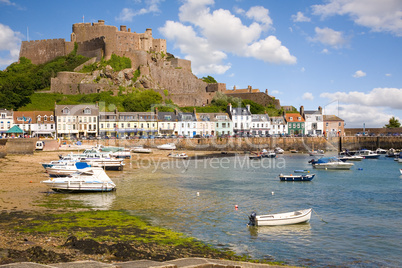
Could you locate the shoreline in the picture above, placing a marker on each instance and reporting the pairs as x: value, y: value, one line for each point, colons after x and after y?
x: 20, y: 205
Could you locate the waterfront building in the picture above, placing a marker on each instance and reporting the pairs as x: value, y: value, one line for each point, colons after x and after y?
x: 314, y: 123
x: 221, y: 123
x: 108, y: 124
x: 187, y: 125
x: 36, y: 123
x: 147, y: 124
x: 167, y: 122
x: 278, y: 125
x: 260, y: 124
x: 6, y: 120
x: 333, y: 126
x: 77, y: 121
x: 241, y: 118
x: 296, y: 123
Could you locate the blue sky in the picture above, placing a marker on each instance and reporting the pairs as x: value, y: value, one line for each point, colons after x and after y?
x: 342, y: 55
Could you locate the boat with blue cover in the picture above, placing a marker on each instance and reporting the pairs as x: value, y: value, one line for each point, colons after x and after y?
x: 331, y: 163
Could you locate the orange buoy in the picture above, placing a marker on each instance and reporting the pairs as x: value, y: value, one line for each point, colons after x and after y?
x: 236, y: 207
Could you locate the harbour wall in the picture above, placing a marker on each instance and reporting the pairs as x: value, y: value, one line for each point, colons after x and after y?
x: 300, y: 144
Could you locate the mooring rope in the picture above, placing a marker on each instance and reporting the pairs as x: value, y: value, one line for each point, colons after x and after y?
x: 319, y: 216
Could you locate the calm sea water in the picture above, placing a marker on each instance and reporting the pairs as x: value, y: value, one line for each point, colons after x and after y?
x: 356, y: 221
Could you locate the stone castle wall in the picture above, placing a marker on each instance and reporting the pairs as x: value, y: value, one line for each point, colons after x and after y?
x: 92, y: 48
x: 42, y: 51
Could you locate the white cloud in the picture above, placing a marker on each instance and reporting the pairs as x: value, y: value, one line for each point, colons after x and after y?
x: 359, y: 74
x: 379, y: 16
x: 10, y: 42
x: 299, y: 17
x: 260, y: 14
x: 329, y: 37
x: 222, y: 32
x: 127, y: 14
x: 302, y: 69
x: 276, y: 92
x: 308, y: 96
x: 378, y: 97
x: 325, y: 51
x: 388, y: 75
x: 355, y: 115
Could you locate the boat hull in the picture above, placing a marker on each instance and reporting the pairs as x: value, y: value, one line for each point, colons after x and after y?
x: 296, y: 217
x: 296, y: 177
x: 68, y: 186
x: 333, y: 166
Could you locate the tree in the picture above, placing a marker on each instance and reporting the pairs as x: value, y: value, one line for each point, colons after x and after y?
x: 209, y: 79
x: 393, y: 122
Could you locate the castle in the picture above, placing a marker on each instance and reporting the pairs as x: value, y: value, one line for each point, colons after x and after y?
x: 148, y: 55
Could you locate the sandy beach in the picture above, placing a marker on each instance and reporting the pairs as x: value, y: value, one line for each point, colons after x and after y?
x: 20, y: 176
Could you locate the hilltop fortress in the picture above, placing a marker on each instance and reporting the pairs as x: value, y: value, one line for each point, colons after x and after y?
x: 148, y: 55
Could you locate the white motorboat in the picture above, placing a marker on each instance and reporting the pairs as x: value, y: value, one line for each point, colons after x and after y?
x: 381, y: 151
x: 269, y: 154
x: 105, y: 161
x: 295, y: 217
x: 279, y: 150
x: 316, y: 153
x: 141, y: 150
x: 331, y: 163
x: 400, y: 170
x: 368, y: 154
x: 167, y: 146
x: 351, y: 158
x: 90, y: 179
x: 65, y: 170
x: 178, y: 155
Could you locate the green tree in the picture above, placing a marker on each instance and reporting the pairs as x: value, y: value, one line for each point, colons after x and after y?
x: 209, y: 79
x: 393, y: 122
x: 255, y: 108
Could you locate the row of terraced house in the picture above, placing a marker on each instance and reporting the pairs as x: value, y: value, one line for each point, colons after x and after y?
x: 87, y: 121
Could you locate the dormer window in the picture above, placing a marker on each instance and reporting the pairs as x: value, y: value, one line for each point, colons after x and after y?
x: 51, y: 118
x: 38, y: 117
x: 87, y: 111
x: 291, y: 118
x: 45, y: 118
x: 65, y: 111
x: 299, y: 118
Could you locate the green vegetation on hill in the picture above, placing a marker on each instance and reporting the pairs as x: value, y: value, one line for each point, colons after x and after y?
x: 116, y: 62
x: 21, y: 79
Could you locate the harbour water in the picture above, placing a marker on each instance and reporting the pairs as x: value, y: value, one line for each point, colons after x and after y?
x: 356, y: 221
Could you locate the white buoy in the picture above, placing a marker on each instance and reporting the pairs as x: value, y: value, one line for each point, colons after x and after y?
x: 198, y: 193
x: 272, y: 193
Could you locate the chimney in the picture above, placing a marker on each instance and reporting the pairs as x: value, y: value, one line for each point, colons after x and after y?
x: 234, y: 87
x: 266, y: 91
x: 320, y: 109
x: 302, y: 111
x: 248, y: 107
x: 249, y: 89
x: 101, y: 22
x: 156, y: 112
x: 175, y: 111
x: 229, y: 108
x: 123, y: 28
x: 194, y: 111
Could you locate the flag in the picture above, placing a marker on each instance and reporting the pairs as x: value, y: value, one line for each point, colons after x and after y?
x: 23, y: 117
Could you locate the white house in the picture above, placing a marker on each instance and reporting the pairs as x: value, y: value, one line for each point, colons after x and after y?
x: 241, y: 118
x: 278, y: 125
x: 314, y: 121
x: 6, y: 120
x: 260, y: 124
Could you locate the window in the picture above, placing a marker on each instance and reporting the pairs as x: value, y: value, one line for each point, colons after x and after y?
x: 65, y: 111
x: 51, y: 118
x: 101, y: 125
x: 290, y: 118
x: 326, y: 124
x: 340, y: 124
x: 45, y: 118
x: 87, y: 111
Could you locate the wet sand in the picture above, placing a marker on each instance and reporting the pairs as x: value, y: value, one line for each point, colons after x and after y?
x: 20, y: 176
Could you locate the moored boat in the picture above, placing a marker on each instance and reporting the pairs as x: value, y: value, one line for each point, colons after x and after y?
x: 368, y: 154
x: 141, y: 150
x: 65, y: 170
x: 331, y: 163
x: 295, y: 217
x: 167, y: 146
x: 104, y: 161
x: 178, y: 155
x: 269, y: 154
x: 279, y: 150
x: 90, y: 179
x: 291, y: 177
x: 351, y: 158
x: 317, y: 153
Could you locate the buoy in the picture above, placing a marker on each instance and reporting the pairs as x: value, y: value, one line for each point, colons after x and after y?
x: 30, y: 181
x: 360, y: 169
x: 272, y: 193
x: 198, y: 193
x: 236, y: 207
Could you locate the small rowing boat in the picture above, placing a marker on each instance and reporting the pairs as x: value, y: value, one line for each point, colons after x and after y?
x: 302, y: 177
x: 295, y: 217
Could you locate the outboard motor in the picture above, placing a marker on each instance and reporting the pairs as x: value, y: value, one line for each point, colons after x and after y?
x: 252, y: 218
